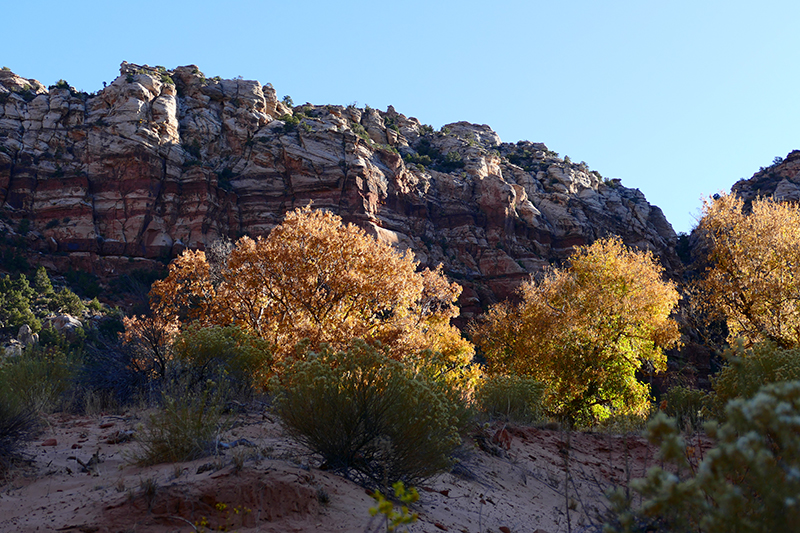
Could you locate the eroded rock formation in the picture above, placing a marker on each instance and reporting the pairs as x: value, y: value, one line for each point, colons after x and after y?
x: 160, y: 160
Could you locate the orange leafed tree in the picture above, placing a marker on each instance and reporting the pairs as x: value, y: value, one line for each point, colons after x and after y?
x: 316, y: 278
x: 753, y: 277
x: 152, y: 337
x: 585, y: 330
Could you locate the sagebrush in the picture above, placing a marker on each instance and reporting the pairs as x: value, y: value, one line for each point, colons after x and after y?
x: 749, y: 482
x: 367, y: 415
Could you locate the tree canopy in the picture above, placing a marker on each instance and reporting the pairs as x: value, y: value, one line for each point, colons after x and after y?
x: 585, y: 330
x: 753, y: 274
x: 317, y: 279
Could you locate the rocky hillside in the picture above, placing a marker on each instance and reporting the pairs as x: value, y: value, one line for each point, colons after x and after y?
x: 781, y: 180
x: 161, y: 160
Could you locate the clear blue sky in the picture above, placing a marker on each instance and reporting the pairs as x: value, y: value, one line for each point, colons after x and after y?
x: 678, y: 98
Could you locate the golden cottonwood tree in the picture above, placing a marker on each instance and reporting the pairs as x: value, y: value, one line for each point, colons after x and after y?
x: 753, y: 277
x: 315, y: 278
x: 585, y: 330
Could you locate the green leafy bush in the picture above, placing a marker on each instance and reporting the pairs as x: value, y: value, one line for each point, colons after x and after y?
x: 511, y: 398
x: 367, y: 415
x: 749, y: 482
x: 747, y: 370
x: 687, y: 406
x: 188, y: 424
x: 216, y: 351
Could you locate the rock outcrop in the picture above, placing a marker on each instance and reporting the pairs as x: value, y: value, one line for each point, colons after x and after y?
x: 161, y: 160
x: 780, y: 180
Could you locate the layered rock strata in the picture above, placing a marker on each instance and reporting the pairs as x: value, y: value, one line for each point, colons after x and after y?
x: 161, y: 160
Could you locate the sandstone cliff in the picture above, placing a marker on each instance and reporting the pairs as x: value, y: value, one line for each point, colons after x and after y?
x: 781, y: 180
x: 160, y: 160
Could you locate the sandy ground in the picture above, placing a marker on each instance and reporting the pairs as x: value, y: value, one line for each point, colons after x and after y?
x: 509, y: 479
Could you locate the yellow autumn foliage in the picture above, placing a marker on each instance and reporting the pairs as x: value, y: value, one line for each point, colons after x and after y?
x: 585, y: 330
x: 753, y: 277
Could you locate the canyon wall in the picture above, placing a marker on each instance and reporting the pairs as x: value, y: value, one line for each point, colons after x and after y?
x: 161, y: 160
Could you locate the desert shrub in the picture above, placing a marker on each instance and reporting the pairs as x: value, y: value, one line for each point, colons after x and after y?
x: 748, y: 482
x: 16, y: 296
x: 747, y: 370
x: 452, y: 161
x: 418, y: 159
x: 511, y: 398
x: 95, y: 305
x: 38, y: 378
x: 17, y: 425
x: 624, y: 424
x: 389, y: 517
x: 112, y: 371
x: 217, y: 352
x: 687, y: 406
x: 66, y: 301
x: 50, y: 337
x: 188, y: 424
x: 42, y: 283
x: 368, y: 417
x: 447, y: 369
x: 71, y: 344
x: 110, y: 325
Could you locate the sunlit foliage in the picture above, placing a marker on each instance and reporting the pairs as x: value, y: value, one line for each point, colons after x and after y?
x: 215, y: 352
x: 584, y: 331
x: 754, y: 261
x: 316, y: 278
x: 150, y: 338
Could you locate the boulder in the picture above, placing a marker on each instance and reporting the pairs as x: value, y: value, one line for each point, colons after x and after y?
x: 66, y: 325
x: 14, y: 349
x: 26, y: 336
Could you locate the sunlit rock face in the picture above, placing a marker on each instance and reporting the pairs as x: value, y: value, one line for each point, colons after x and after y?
x: 780, y: 180
x: 160, y: 160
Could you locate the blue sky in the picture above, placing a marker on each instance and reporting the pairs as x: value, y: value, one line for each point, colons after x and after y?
x: 679, y: 99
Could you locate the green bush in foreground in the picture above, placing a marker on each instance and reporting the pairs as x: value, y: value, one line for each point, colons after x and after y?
x: 511, y: 398
x: 367, y: 416
x: 187, y: 426
x: 749, y: 482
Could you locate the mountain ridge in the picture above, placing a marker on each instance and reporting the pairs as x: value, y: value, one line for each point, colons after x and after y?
x: 160, y: 160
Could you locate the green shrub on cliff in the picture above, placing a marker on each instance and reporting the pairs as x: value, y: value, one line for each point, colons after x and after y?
x: 16, y: 296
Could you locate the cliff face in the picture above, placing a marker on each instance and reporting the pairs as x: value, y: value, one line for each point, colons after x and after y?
x: 162, y: 160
